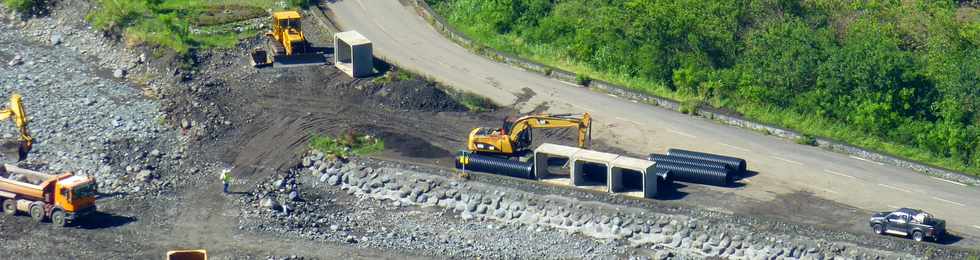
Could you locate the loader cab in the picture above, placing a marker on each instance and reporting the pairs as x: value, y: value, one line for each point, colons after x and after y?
x: 287, y: 20
x: 75, y: 193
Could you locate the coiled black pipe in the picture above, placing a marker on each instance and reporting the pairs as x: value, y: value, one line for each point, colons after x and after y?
x: 736, y: 164
x: 695, y: 174
x: 659, y: 158
x: 495, y: 165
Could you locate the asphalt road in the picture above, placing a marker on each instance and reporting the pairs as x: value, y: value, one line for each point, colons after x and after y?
x: 402, y: 37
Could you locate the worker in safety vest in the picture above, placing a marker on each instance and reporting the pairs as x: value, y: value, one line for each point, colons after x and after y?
x: 225, y: 179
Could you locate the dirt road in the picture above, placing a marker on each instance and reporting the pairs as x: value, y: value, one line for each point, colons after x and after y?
x: 783, y: 167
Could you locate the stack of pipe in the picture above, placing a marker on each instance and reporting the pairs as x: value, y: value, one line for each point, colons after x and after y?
x: 693, y: 170
x: 736, y: 164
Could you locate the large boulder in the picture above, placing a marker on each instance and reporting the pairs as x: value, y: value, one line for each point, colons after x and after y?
x: 269, y: 203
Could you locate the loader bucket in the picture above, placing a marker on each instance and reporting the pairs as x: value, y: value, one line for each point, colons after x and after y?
x: 295, y: 60
x: 260, y: 58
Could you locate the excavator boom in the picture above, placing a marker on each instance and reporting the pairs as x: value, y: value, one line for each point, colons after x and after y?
x: 15, y: 112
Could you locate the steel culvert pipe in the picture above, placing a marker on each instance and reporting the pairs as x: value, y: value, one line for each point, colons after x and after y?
x: 736, y: 164
x: 659, y: 158
x: 489, y: 164
x: 695, y: 174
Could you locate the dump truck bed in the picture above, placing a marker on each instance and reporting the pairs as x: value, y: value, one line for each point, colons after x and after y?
x: 23, y: 182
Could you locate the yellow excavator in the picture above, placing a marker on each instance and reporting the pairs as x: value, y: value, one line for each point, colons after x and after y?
x: 514, y: 138
x: 286, y: 44
x: 15, y: 112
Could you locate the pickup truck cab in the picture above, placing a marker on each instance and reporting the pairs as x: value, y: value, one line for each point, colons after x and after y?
x: 913, y: 223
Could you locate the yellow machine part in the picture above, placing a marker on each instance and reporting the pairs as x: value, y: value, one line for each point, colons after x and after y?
x: 500, y: 141
x: 286, y: 30
x: 15, y: 112
x: 199, y: 254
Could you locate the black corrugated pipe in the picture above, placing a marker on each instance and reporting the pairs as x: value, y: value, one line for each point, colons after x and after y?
x: 695, y: 174
x: 495, y: 165
x: 736, y: 164
x: 658, y: 158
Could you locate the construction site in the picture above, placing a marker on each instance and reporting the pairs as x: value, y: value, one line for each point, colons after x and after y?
x: 120, y: 149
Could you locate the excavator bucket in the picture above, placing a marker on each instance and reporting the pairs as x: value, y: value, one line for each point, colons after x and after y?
x: 14, y: 148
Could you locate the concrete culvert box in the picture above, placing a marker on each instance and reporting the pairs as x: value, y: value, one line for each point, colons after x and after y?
x: 627, y: 174
x: 545, y: 152
x: 353, y: 54
x: 593, y: 158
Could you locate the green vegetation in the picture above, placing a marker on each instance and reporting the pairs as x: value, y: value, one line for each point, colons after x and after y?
x: 806, y: 139
x: 395, y: 75
x: 583, y: 79
x: 182, y: 25
x: 347, y: 146
x: 899, y: 77
x: 473, y: 102
x: 20, y: 5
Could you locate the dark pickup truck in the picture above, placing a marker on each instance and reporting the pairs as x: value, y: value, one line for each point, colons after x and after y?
x: 913, y: 223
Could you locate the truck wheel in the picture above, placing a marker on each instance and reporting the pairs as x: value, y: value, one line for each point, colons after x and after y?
x: 9, y: 207
x: 917, y: 236
x: 878, y: 229
x: 58, y: 218
x: 37, y: 213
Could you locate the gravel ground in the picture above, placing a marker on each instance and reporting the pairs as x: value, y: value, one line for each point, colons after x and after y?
x: 376, y: 203
x: 83, y: 119
x: 95, y: 108
x: 306, y: 207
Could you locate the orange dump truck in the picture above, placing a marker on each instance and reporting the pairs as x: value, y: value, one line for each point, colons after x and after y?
x: 61, y: 198
x: 198, y: 254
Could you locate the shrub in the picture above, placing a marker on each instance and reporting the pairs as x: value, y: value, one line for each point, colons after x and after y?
x: 690, y: 106
x: 583, y: 79
x: 21, y: 6
x: 806, y: 139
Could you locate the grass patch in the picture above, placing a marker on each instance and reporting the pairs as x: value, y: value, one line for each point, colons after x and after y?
x: 348, y: 145
x: 20, y: 5
x: 473, y: 102
x: 395, y: 75
x: 183, y: 25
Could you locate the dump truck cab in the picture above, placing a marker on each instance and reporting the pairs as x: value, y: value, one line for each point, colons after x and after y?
x: 286, y: 28
x: 75, y: 195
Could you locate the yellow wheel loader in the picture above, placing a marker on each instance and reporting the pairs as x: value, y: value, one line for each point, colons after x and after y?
x: 286, y: 45
x: 514, y: 138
